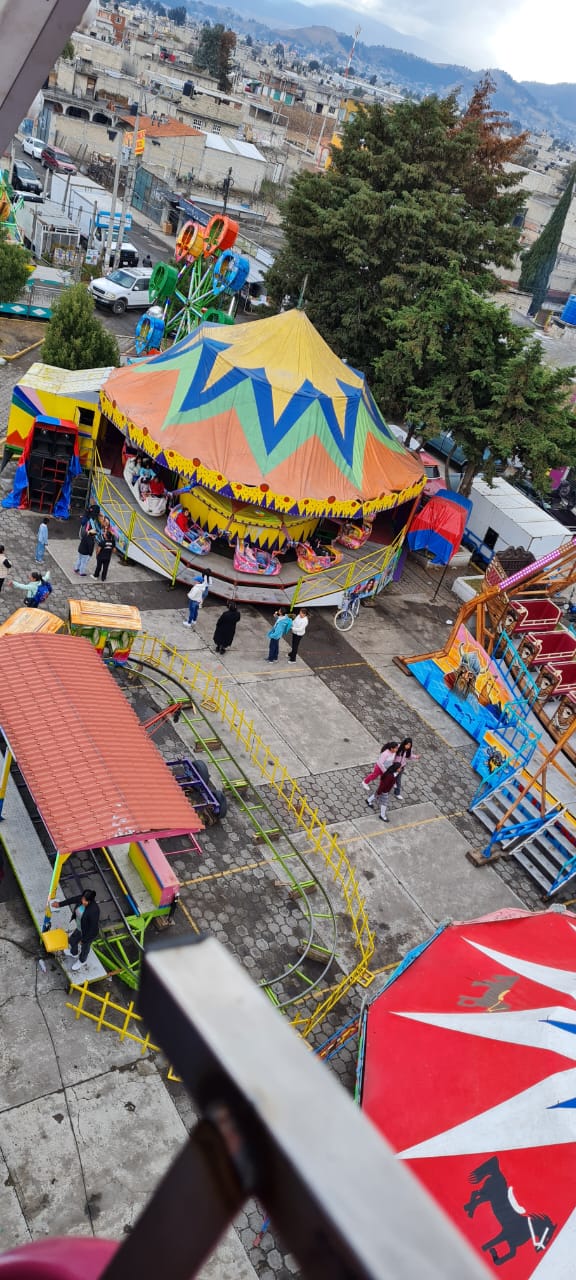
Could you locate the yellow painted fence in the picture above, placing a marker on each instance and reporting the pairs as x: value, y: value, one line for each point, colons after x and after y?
x: 339, y: 872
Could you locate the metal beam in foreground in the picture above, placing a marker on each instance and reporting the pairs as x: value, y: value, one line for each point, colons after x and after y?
x: 32, y: 36
x: 276, y: 1124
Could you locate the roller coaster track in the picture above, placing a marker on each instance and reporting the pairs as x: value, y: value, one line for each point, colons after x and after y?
x: 321, y: 932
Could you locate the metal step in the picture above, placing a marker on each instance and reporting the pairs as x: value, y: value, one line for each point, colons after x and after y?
x: 522, y: 857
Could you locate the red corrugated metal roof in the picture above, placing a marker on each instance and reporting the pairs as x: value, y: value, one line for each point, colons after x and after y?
x: 94, y: 773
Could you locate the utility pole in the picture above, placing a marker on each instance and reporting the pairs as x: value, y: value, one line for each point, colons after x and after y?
x: 130, y: 177
x: 226, y: 184
x: 110, y: 231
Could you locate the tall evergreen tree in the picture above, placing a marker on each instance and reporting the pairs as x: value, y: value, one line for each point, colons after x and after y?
x: 15, y: 263
x: 410, y: 190
x: 539, y: 260
x: 75, y: 337
x: 455, y: 362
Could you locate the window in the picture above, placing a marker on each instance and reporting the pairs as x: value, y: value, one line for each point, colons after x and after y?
x: 490, y: 538
x: 216, y: 128
x: 198, y: 124
x: 85, y: 417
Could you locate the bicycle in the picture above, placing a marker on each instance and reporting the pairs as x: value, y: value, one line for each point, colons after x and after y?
x: 347, y: 614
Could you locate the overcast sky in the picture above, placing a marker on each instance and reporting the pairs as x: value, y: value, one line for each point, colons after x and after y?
x: 532, y: 39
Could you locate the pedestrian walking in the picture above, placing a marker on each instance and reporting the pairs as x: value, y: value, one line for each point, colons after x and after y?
x: 106, y: 544
x: 299, y: 625
x: 42, y: 540
x: 403, y: 755
x: 281, y: 628
x: 385, y: 785
x: 86, y: 918
x: 226, y: 627
x: 85, y: 548
x: 195, y: 600
x: 385, y: 759
x: 4, y: 566
x: 37, y: 588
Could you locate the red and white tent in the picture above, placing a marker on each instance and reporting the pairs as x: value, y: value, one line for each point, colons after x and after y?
x: 468, y: 1068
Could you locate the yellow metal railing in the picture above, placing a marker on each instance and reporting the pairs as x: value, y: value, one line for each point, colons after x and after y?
x: 321, y: 842
x: 134, y: 527
x: 345, y: 576
x: 101, y: 1007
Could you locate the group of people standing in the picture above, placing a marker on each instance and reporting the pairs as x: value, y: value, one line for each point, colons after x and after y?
x: 228, y: 621
x: 387, y: 773
x: 95, y: 531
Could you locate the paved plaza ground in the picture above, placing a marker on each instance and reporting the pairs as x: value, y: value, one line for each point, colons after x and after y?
x: 88, y: 1125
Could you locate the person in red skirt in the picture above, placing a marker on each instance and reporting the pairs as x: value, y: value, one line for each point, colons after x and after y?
x: 385, y: 785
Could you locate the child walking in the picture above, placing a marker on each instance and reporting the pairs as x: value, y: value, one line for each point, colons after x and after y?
x: 403, y: 755
x: 385, y: 759
x: 385, y: 785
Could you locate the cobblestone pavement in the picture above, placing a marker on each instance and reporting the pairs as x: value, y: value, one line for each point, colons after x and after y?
x: 235, y: 890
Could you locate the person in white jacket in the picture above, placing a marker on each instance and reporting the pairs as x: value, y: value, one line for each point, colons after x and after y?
x: 299, y: 625
x: 195, y: 600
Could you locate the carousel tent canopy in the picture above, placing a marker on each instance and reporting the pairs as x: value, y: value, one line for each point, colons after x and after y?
x: 265, y: 413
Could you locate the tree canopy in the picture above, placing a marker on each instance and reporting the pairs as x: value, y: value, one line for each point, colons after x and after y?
x: 75, y: 337
x: 411, y: 190
x: 15, y: 262
x: 456, y: 363
x: 214, y: 54
x: 539, y: 260
x: 177, y: 15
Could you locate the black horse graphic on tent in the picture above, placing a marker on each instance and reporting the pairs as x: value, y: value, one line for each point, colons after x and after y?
x: 518, y: 1226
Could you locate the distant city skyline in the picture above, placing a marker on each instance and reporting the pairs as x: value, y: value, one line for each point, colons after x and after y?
x: 530, y: 39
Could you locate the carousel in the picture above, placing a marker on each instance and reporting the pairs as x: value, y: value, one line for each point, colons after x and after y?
x: 260, y: 450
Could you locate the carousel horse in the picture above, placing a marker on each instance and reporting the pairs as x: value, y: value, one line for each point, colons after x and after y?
x: 353, y: 535
x: 249, y: 559
x: 313, y: 561
x: 181, y: 529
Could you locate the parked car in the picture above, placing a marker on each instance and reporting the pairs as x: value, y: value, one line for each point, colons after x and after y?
x: 444, y: 446
x: 33, y: 147
x: 57, y: 160
x: 129, y: 256
x: 24, y: 178
x: 122, y: 289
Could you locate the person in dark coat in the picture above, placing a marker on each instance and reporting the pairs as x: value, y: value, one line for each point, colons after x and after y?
x: 85, y: 548
x: 226, y: 627
x: 106, y: 543
x: 86, y: 917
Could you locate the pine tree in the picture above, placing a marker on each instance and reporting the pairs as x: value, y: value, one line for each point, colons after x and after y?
x: 539, y: 260
x: 15, y: 265
x: 411, y: 190
x: 456, y: 363
x: 75, y: 337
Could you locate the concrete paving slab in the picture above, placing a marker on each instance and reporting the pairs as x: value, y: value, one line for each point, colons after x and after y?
x: 315, y: 725
x: 128, y: 1132
x: 262, y: 725
x: 42, y: 1159
x: 429, y: 861
x: 229, y: 1261
x: 28, y: 1067
x: 64, y: 551
x: 82, y: 1050
x: 13, y: 1225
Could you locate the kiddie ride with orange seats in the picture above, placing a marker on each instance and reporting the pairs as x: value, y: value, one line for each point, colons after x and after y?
x: 312, y: 561
x: 202, y: 287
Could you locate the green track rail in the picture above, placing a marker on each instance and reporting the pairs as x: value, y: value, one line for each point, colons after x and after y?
x: 299, y: 874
